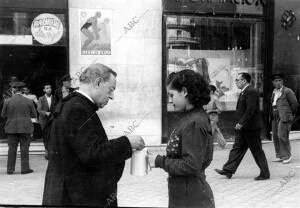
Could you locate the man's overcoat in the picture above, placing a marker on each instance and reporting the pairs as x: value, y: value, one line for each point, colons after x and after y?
x: 84, y: 166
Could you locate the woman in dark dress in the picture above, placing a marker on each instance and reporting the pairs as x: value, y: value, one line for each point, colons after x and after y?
x: 190, y: 146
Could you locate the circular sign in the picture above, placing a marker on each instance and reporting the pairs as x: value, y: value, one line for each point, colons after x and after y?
x: 47, y: 29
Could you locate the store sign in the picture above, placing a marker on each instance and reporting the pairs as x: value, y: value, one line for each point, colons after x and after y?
x: 215, y: 6
x: 248, y: 2
x: 47, y: 29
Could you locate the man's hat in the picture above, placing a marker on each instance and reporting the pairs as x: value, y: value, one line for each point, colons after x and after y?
x: 17, y: 84
x: 66, y: 78
x: 277, y: 76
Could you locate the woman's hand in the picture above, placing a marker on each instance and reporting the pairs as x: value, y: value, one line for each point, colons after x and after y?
x: 151, y: 159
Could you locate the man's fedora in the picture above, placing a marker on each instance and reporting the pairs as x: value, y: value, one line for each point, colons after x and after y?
x: 17, y: 84
x: 277, y: 75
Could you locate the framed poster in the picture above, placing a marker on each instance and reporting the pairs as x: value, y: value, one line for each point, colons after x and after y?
x: 95, y: 32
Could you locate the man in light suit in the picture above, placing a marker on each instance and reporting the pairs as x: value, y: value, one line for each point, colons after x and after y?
x: 45, y: 108
x: 247, y: 131
x: 284, y: 106
x: 18, y: 110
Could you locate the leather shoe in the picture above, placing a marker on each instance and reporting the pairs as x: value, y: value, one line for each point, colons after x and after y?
x: 10, y: 172
x: 259, y: 178
x: 27, y: 171
x: 223, y: 172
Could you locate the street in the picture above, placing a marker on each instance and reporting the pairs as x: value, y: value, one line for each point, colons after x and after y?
x: 282, y: 190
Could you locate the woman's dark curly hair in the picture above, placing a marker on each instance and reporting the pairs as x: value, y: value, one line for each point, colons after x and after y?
x: 198, y: 92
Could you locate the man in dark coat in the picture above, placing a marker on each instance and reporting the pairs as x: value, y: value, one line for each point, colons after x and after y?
x: 247, y: 131
x: 284, y: 106
x: 66, y: 88
x: 84, y: 166
x: 18, y: 110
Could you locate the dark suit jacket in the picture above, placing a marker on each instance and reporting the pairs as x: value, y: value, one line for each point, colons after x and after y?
x: 247, y: 109
x: 287, y: 105
x: 43, y: 107
x: 18, y: 110
x: 58, y: 94
x: 84, y: 166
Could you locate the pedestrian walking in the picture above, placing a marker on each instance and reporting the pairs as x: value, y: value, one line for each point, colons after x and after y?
x: 84, y: 166
x: 45, y: 108
x: 190, y: 146
x: 18, y: 110
x: 214, y: 109
x: 284, y: 107
x: 247, y: 128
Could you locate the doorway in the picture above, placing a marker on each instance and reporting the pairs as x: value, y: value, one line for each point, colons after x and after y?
x: 34, y: 65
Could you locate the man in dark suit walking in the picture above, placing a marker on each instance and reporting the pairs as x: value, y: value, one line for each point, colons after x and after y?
x: 18, y: 110
x: 84, y: 166
x: 45, y: 108
x: 284, y: 107
x: 247, y: 131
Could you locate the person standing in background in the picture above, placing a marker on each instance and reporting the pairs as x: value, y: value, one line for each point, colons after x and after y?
x: 26, y: 93
x: 65, y: 90
x: 18, y: 110
x: 214, y: 109
x: 45, y: 108
x: 284, y: 107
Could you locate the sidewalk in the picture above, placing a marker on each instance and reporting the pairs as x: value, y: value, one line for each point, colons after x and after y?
x: 282, y: 190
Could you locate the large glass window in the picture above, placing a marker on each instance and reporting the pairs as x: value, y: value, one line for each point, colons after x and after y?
x: 219, y: 49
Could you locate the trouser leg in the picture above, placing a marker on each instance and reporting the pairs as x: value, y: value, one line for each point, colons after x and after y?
x: 219, y: 137
x: 284, y: 142
x: 275, y: 138
x: 25, y: 143
x: 236, y: 154
x: 13, y: 141
x: 254, y: 143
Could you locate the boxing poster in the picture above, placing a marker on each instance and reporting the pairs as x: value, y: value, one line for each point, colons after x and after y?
x: 95, y: 31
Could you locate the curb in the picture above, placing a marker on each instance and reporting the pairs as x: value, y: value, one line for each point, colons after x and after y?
x: 37, y: 148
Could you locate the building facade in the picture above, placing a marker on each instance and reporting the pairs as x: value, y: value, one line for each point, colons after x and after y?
x: 144, y: 41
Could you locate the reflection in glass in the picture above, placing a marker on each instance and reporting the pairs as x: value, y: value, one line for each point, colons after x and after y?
x: 218, y: 49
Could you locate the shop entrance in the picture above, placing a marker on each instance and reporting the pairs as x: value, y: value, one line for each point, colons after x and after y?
x: 34, y: 65
x: 33, y: 45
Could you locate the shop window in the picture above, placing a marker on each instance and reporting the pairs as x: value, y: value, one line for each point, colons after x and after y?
x: 217, y: 48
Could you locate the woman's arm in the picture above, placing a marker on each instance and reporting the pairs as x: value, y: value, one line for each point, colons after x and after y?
x: 194, y: 145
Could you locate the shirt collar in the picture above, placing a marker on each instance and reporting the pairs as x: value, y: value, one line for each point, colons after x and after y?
x: 85, y: 95
x: 278, y: 90
x: 245, y: 87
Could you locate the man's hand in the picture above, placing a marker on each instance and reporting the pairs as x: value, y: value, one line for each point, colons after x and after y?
x: 238, y: 126
x: 47, y: 113
x: 136, y: 142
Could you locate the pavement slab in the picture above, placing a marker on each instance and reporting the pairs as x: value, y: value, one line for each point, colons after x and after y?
x: 282, y: 190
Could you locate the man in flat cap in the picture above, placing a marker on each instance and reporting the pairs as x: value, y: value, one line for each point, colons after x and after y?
x: 66, y: 88
x: 18, y: 110
x: 284, y: 105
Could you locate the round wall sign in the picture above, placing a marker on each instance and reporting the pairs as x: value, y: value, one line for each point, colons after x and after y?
x: 47, y: 29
